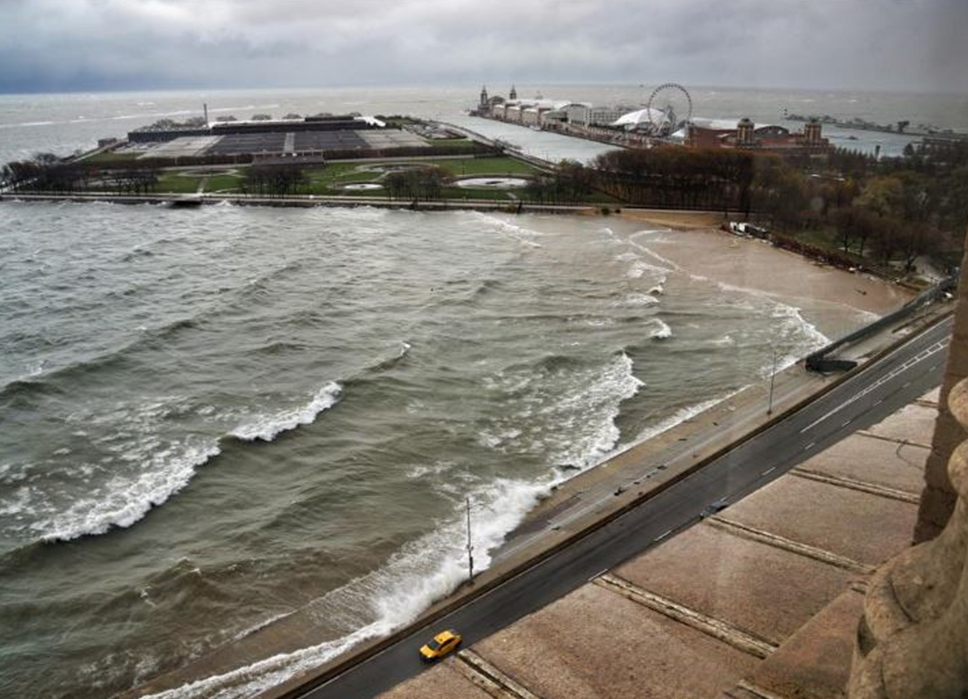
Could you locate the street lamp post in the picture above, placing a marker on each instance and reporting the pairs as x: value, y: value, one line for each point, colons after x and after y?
x: 769, y: 410
x: 470, y: 546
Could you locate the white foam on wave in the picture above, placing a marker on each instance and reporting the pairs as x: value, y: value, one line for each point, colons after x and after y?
x: 26, y: 123
x: 519, y: 233
x: 641, y: 300
x: 662, y: 332
x: 420, y: 573
x: 268, y: 427
x: 124, y: 500
x: 577, y: 421
x: 678, y: 417
x: 652, y: 253
x: 725, y: 341
x: 252, y: 679
x: 793, y: 323
x: 427, y: 569
x: 19, y: 505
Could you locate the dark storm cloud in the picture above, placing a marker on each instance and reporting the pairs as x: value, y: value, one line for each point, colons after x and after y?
x: 108, y: 44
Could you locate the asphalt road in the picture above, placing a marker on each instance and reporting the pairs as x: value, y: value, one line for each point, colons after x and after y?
x: 872, y: 394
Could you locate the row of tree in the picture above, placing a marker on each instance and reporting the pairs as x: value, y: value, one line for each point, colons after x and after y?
x: 417, y: 183
x: 694, y: 178
x: 274, y: 180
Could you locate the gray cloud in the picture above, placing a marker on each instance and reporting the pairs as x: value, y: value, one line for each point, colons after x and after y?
x: 119, y: 44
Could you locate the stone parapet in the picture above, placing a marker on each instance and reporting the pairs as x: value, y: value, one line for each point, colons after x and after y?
x: 913, y: 637
x: 938, y: 498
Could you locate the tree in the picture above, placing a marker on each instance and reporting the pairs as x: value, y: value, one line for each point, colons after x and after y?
x: 882, y: 195
x: 914, y: 240
x: 885, y: 239
x: 416, y: 183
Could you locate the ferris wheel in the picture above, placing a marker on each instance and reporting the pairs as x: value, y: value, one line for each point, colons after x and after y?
x: 670, y: 106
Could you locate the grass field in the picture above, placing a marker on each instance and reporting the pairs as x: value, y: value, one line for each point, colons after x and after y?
x: 110, y: 157
x: 176, y: 183
x: 224, y: 183
x: 327, y: 180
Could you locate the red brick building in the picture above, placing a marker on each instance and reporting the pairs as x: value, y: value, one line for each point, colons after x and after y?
x: 771, y: 137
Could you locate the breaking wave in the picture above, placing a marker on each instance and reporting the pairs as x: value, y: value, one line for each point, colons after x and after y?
x: 662, y: 332
x: 268, y: 427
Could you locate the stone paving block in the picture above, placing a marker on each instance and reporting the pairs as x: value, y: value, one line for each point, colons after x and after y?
x: 440, y: 681
x: 815, y: 662
x: 728, y: 577
x: 863, y: 527
x: 594, y: 644
x: 913, y: 423
x: 872, y: 460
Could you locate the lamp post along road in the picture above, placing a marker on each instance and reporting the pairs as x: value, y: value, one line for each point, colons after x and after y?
x: 769, y: 410
x: 470, y: 546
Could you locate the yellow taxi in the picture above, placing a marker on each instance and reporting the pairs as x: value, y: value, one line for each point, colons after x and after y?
x: 442, y: 644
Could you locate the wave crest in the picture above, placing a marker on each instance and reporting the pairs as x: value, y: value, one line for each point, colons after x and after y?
x: 268, y: 427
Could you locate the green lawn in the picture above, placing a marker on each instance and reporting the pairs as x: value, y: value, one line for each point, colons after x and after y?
x: 219, y: 183
x: 326, y: 180
x: 176, y: 183
x: 499, y: 165
x: 111, y: 157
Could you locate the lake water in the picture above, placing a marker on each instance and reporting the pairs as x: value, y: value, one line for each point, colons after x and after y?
x: 213, y: 417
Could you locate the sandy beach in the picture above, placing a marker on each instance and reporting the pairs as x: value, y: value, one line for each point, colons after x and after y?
x: 826, y: 296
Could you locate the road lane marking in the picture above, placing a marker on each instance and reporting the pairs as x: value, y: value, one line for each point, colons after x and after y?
x: 769, y: 470
x: 933, y: 349
x: 662, y: 536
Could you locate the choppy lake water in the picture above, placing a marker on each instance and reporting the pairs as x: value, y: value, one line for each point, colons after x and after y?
x: 212, y: 417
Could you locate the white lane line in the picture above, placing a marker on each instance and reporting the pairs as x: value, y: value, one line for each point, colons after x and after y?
x: 810, y: 446
x: 662, y: 536
x: 933, y: 349
x: 768, y: 471
x: 601, y: 572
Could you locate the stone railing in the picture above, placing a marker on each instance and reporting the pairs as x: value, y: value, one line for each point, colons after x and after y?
x: 912, y: 641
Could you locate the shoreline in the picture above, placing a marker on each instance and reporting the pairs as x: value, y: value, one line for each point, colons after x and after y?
x: 689, y: 441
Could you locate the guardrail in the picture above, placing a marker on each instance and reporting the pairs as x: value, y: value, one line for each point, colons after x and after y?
x: 819, y: 360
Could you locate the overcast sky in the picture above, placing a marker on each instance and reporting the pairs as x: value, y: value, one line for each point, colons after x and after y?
x: 63, y: 45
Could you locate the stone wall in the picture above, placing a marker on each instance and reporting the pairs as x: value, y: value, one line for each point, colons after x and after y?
x: 938, y: 498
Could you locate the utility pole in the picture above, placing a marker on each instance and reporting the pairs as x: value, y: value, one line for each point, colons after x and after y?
x: 769, y: 410
x: 470, y: 546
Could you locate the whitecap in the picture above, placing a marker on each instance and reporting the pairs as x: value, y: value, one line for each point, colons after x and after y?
x: 641, y: 300
x: 125, y: 500
x: 417, y: 575
x: 268, y: 427
x: 662, y: 332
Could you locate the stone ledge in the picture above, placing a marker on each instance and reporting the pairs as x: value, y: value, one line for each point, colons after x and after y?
x: 738, y: 638
x: 807, y: 550
x: 862, y: 486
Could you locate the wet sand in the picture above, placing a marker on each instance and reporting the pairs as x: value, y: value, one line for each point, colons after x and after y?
x: 826, y: 295
x: 754, y: 264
